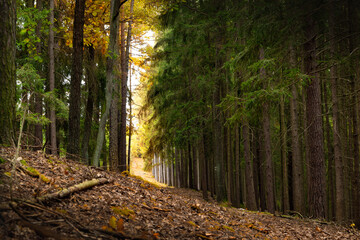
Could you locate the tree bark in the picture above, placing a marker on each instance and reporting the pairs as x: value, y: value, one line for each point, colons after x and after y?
x: 52, y: 73
x: 38, y: 128
x: 338, y: 204
x: 7, y: 70
x: 314, y: 125
x: 270, y: 196
x: 114, y: 125
x: 92, y: 89
x: 283, y: 140
x: 297, y: 166
x: 177, y: 168
x: 76, y: 76
x: 203, y: 170
x: 238, y: 187
x: 218, y: 148
x: 75, y: 188
x: 249, y: 179
x: 353, y: 12
x: 229, y: 166
x: 111, y: 63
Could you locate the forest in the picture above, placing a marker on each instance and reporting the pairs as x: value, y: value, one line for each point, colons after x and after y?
x: 253, y: 103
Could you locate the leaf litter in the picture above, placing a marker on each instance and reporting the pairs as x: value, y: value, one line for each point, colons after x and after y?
x: 129, y: 208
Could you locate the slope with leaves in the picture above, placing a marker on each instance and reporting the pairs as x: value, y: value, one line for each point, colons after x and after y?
x: 129, y: 208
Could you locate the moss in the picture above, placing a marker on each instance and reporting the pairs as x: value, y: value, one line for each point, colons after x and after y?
x: 33, y: 171
x: 123, y: 211
x: 2, y: 160
x: 228, y: 228
x: 192, y: 223
x: 44, y: 178
x: 62, y: 211
x: 225, y: 204
x: 23, y: 162
x: 146, y: 181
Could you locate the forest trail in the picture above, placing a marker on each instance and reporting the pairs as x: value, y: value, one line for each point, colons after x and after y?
x: 126, y: 207
x: 137, y: 169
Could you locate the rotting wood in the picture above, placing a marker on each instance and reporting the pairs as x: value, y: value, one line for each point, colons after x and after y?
x: 34, y: 173
x: 74, y: 188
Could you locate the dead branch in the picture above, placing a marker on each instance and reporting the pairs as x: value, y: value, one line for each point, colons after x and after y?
x: 72, y: 189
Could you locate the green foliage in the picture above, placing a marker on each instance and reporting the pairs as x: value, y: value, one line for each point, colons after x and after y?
x: 28, y: 80
x: 62, y: 110
x: 27, y: 22
x: 29, y: 83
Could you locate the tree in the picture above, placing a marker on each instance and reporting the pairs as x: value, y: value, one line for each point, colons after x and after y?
x: 297, y: 169
x: 52, y: 79
x: 38, y: 131
x: 314, y: 123
x: 270, y: 196
x: 111, y: 63
x: 7, y: 70
x: 76, y: 77
x: 339, y: 185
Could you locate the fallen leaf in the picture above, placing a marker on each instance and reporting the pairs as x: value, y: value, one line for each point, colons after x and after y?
x: 112, y: 222
x: 120, y: 225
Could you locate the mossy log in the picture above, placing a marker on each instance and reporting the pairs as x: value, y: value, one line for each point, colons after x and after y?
x: 34, y: 173
x: 74, y: 188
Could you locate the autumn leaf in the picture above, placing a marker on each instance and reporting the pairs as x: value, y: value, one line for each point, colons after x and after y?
x: 104, y: 228
x: 112, y: 222
x: 156, y: 236
x: 120, y: 225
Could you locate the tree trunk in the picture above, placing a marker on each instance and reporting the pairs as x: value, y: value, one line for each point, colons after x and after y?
x: 218, y: 148
x: 314, y: 126
x: 190, y: 172
x: 114, y: 124
x: 38, y: 133
x: 130, y: 122
x: 76, y: 76
x: 177, y: 168
x: 125, y: 52
x: 283, y: 140
x: 249, y: 179
x: 238, y: 187
x: 353, y: 12
x: 91, y: 87
x: 111, y: 63
x: 229, y: 166
x: 7, y: 70
x: 297, y: 166
x: 52, y: 72
x: 270, y: 196
x: 203, y: 170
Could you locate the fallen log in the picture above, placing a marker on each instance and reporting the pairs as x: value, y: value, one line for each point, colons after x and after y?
x: 72, y: 189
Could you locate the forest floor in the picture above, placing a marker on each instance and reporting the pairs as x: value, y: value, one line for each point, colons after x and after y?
x: 127, y: 207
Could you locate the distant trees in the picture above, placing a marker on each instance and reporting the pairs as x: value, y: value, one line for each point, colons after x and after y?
x: 67, y: 46
x: 282, y: 72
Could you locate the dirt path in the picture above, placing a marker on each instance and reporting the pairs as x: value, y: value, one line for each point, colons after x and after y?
x: 136, y: 168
